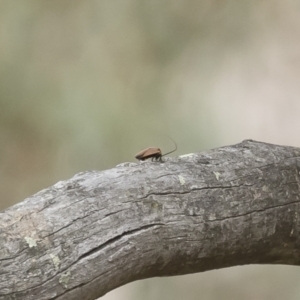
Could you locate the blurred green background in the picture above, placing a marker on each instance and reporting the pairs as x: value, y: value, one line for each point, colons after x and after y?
x: 87, y: 84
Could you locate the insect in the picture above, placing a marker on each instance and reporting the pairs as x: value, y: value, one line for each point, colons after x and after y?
x: 153, y: 153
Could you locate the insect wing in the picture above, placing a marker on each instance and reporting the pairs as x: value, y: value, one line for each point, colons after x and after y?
x: 147, y: 153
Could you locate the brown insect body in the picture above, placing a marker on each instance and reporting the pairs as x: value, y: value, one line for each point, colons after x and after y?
x: 153, y: 153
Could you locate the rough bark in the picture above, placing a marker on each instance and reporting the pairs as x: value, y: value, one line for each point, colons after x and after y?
x: 87, y: 235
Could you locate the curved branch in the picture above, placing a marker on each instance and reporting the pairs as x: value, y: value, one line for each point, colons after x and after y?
x: 87, y: 235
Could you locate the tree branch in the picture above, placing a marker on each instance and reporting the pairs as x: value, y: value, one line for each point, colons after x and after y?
x: 85, y: 236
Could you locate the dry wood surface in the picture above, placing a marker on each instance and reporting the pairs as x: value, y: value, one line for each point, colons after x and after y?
x: 87, y: 235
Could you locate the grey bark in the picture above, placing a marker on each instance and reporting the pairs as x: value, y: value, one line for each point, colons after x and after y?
x: 85, y: 236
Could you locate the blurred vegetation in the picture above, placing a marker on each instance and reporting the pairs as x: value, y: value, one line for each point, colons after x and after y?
x: 87, y: 84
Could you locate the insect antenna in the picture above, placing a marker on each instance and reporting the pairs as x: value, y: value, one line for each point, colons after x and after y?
x: 172, y: 150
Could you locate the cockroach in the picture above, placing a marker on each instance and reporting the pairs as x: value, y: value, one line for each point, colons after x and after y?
x: 153, y: 153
